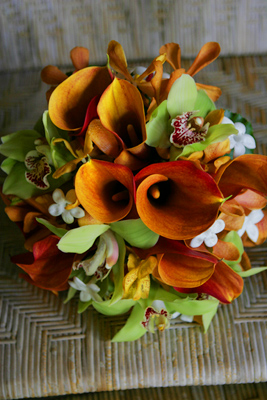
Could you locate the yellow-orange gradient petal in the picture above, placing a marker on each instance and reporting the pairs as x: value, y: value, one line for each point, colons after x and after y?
x: 105, y: 190
x: 52, y: 75
x: 121, y: 110
x: 208, y: 53
x: 212, y: 91
x: 117, y: 59
x: 69, y: 101
x: 176, y: 199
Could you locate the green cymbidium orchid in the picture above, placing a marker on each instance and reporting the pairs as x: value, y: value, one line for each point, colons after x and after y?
x: 179, y: 122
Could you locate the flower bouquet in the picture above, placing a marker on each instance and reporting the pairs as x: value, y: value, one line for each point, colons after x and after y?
x: 134, y: 191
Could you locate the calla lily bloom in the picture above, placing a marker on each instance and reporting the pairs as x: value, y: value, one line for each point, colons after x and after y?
x: 176, y: 199
x: 105, y: 190
x: 47, y: 267
x: 207, y: 54
x: 69, y: 101
x: 121, y: 111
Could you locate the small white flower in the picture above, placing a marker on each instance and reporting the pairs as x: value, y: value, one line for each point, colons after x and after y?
x: 249, y: 225
x: 209, y: 237
x: 240, y: 141
x: 89, y: 291
x: 59, y: 207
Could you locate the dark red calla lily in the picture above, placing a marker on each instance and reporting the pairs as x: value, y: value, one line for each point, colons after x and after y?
x: 47, y: 267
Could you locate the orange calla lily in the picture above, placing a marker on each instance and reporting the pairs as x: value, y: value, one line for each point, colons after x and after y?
x: 47, y: 267
x: 69, y: 101
x: 105, y: 190
x: 224, y: 284
x: 177, y: 199
x: 244, y: 172
x: 121, y: 111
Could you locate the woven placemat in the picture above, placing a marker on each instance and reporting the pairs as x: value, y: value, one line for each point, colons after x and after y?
x: 34, y: 33
x: 47, y: 349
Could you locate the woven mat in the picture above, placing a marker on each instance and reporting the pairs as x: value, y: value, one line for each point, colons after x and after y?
x: 47, y: 349
x: 35, y: 33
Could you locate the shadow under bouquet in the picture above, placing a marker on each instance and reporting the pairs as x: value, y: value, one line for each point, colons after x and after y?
x: 135, y: 191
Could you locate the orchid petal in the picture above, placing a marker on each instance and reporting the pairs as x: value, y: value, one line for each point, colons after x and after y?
x: 52, y: 75
x: 212, y: 91
x: 208, y: 53
x: 173, y: 54
x: 117, y: 59
x: 69, y: 101
x: 182, y: 96
x: 79, y: 57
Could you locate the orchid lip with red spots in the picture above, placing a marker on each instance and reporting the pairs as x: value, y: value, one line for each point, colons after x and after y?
x: 188, y: 129
x: 39, y: 170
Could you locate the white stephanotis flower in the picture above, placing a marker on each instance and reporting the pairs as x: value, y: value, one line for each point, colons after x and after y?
x: 209, y: 237
x: 89, y: 291
x: 249, y: 225
x: 59, y: 208
x: 242, y: 140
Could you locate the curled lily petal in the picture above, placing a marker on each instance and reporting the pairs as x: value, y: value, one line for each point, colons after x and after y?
x: 105, y: 140
x: 79, y: 57
x: 245, y: 172
x: 225, y: 284
x: 208, y: 53
x: 251, y: 200
x: 69, y: 101
x: 105, y: 190
x: 176, y: 199
x: 121, y: 110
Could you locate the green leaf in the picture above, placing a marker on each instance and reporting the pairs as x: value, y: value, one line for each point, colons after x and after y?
x: 136, y: 233
x: 191, y: 307
x: 7, y: 165
x: 251, y: 271
x: 51, y: 130
x: 60, y: 232
x: 207, y: 317
x: 81, y: 239
x: 118, y: 271
x: 133, y: 329
x: 203, y: 104
x: 158, y: 127
x: 83, y: 305
x: 121, y: 307
x: 233, y: 237
x: 16, y: 184
x: 182, y: 96
x: 18, y: 144
x: 59, y: 154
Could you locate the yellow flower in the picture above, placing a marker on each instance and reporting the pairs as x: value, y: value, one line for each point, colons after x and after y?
x: 136, y: 283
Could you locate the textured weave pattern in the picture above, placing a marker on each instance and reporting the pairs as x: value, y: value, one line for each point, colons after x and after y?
x: 47, y: 349
x: 34, y: 33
